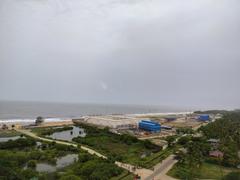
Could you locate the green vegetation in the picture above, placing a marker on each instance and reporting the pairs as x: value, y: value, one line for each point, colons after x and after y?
x: 171, y: 140
x: 185, y: 131
x: 92, y: 168
x: 232, y: 176
x: 206, y: 171
x: 194, y: 161
x: 9, y: 133
x: 124, y: 176
x: 158, y: 157
x: 227, y: 129
x: 19, y: 143
x: 19, y: 158
x: 123, y: 148
x: 212, y: 112
x: 39, y: 120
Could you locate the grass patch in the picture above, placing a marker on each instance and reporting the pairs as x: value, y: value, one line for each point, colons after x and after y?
x: 124, y: 176
x: 206, y: 171
x: 9, y: 133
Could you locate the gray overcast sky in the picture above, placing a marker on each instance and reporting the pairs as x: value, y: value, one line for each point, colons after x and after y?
x: 166, y: 52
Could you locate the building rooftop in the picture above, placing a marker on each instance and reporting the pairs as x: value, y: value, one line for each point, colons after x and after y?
x: 217, y: 154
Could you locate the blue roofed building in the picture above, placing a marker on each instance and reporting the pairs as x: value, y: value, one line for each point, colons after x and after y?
x: 150, y: 126
x: 204, y: 117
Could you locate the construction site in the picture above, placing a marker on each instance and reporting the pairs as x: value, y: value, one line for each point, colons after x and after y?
x: 145, y: 126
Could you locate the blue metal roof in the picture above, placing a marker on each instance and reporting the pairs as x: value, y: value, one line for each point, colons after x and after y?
x: 150, y: 122
x: 204, y: 117
x: 149, y: 126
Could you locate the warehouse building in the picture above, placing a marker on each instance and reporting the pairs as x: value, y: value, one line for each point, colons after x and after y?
x: 204, y: 117
x: 148, y: 125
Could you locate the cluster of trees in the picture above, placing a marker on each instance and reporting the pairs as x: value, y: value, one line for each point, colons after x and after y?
x: 16, y: 154
x: 196, y: 149
x: 171, y: 140
x: 185, y: 131
x: 232, y: 176
x: 20, y: 153
x: 11, y: 164
x: 39, y: 120
x: 93, y: 168
x: 192, y: 157
x: 227, y: 129
x: 212, y: 112
x: 92, y: 130
x: 19, y: 143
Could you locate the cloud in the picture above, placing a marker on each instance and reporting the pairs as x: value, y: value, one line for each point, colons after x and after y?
x: 104, y: 86
x: 149, y: 51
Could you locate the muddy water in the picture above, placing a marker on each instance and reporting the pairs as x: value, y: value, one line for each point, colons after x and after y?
x: 5, y: 139
x: 61, y: 163
x: 69, y: 134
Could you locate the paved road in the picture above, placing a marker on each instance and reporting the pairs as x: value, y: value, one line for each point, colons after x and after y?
x: 161, y: 169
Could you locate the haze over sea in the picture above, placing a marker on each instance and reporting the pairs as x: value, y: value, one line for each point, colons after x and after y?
x: 22, y: 110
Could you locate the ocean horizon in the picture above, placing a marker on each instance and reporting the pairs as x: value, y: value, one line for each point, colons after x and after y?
x: 10, y: 110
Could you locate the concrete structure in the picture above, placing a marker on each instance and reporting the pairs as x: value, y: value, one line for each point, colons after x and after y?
x: 148, y: 125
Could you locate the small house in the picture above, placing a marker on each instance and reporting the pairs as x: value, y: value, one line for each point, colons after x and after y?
x: 216, y: 154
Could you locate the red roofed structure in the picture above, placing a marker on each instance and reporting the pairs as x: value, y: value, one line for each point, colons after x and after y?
x: 217, y: 154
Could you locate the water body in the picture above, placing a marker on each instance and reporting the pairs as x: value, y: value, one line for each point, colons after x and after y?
x: 5, y: 139
x: 67, y: 135
x: 30, y: 110
x: 61, y: 163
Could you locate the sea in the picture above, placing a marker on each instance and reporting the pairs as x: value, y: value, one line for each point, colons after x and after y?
x: 11, y: 112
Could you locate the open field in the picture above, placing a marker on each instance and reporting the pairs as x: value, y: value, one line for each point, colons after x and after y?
x: 207, y: 171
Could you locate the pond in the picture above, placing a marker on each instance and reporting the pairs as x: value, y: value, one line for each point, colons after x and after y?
x: 61, y: 163
x: 68, y: 135
x: 5, y: 139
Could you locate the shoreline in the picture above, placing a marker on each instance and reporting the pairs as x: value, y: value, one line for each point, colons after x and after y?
x: 67, y: 119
